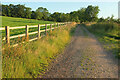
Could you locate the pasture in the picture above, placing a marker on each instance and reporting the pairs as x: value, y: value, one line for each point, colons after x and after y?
x: 15, y: 22
x: 12, y: 22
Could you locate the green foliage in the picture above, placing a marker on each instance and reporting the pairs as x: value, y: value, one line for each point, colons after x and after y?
x: 38, y: 15
x: 85, y: 14
x: 56, y: 16
x: 109, y: 19
x: 32, y: 59
x: 74, y: 16
x: 65, y: 17
x: 28, y: 13
x: 108, y: 34
x: 101, y: 19
x: 91, y: 13
x: 16, y: 11
x: 118, y: 21
x: 41, y: 13
x: 82, y: 15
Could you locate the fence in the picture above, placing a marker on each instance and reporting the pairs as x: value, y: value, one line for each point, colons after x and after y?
x: 8, y: 37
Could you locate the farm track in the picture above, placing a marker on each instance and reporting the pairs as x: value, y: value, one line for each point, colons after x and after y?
x: 83, y: 58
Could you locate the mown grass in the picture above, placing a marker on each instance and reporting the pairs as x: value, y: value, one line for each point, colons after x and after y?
x: 33, y: 58
x: 108, y: 34
x: 12, y: 22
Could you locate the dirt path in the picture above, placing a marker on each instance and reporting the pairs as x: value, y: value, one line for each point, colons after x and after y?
x: 84, y: 58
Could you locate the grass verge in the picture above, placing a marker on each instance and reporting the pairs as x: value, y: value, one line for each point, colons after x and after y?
x: 31, y: 59
x: 108, y: 34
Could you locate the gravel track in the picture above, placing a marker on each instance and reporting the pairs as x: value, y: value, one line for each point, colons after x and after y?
x: 83, y: 58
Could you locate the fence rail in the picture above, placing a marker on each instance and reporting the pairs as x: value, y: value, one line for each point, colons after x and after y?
x: 8, y: 37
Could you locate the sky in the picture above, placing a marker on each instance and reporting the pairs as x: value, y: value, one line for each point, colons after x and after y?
x: 107, y: 8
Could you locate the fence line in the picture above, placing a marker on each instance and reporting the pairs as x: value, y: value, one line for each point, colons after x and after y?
x: 8, y: 37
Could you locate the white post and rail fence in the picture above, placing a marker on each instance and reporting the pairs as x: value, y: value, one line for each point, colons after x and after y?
x: 8, y: 37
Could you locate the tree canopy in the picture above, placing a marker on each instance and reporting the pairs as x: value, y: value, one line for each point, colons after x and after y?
x: 91, y: 13
x: 82, y: 15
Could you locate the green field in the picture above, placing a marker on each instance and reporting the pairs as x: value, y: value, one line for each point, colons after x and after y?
x: 12, y: 22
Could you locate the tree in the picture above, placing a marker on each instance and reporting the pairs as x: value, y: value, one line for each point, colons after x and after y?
x: 28, y: 12
x: 16, y: 11
x: 111, y: 19
x: 20, y: 10
x: 81, y: 14
x: 118, y: 21
x: 45, y: 13
x: 56, y: 16
x: 101, y: 19
x: 0, y: 9
x: 12, y: 10
x: 64, y: 17
x: 33, y: 15
x: 74, y: 16
x: 42, y: 13
x: 38, y: 14
x: 91, y: 13
x: 5, y: 10
x: 107, y: 19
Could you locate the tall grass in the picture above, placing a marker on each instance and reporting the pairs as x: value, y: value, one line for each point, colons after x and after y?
x: 108, y: 34
x: 105, y: 27
x: 32, y: 59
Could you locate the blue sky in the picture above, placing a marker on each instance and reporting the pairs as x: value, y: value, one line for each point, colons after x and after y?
x: 106, y: 8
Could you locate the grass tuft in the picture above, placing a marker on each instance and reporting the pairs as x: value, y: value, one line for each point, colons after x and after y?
x: 32, y: 59
x: 108, y: 34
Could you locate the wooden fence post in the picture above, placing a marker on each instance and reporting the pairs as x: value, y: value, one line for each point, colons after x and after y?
x: 58, y: 24
x: 38, y: 31
x: 7, y: 34
x: 45, y: 29
x: 27, y: 35
x: 65, y: 24
x: 50, y: 27
x: 54, y: 25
